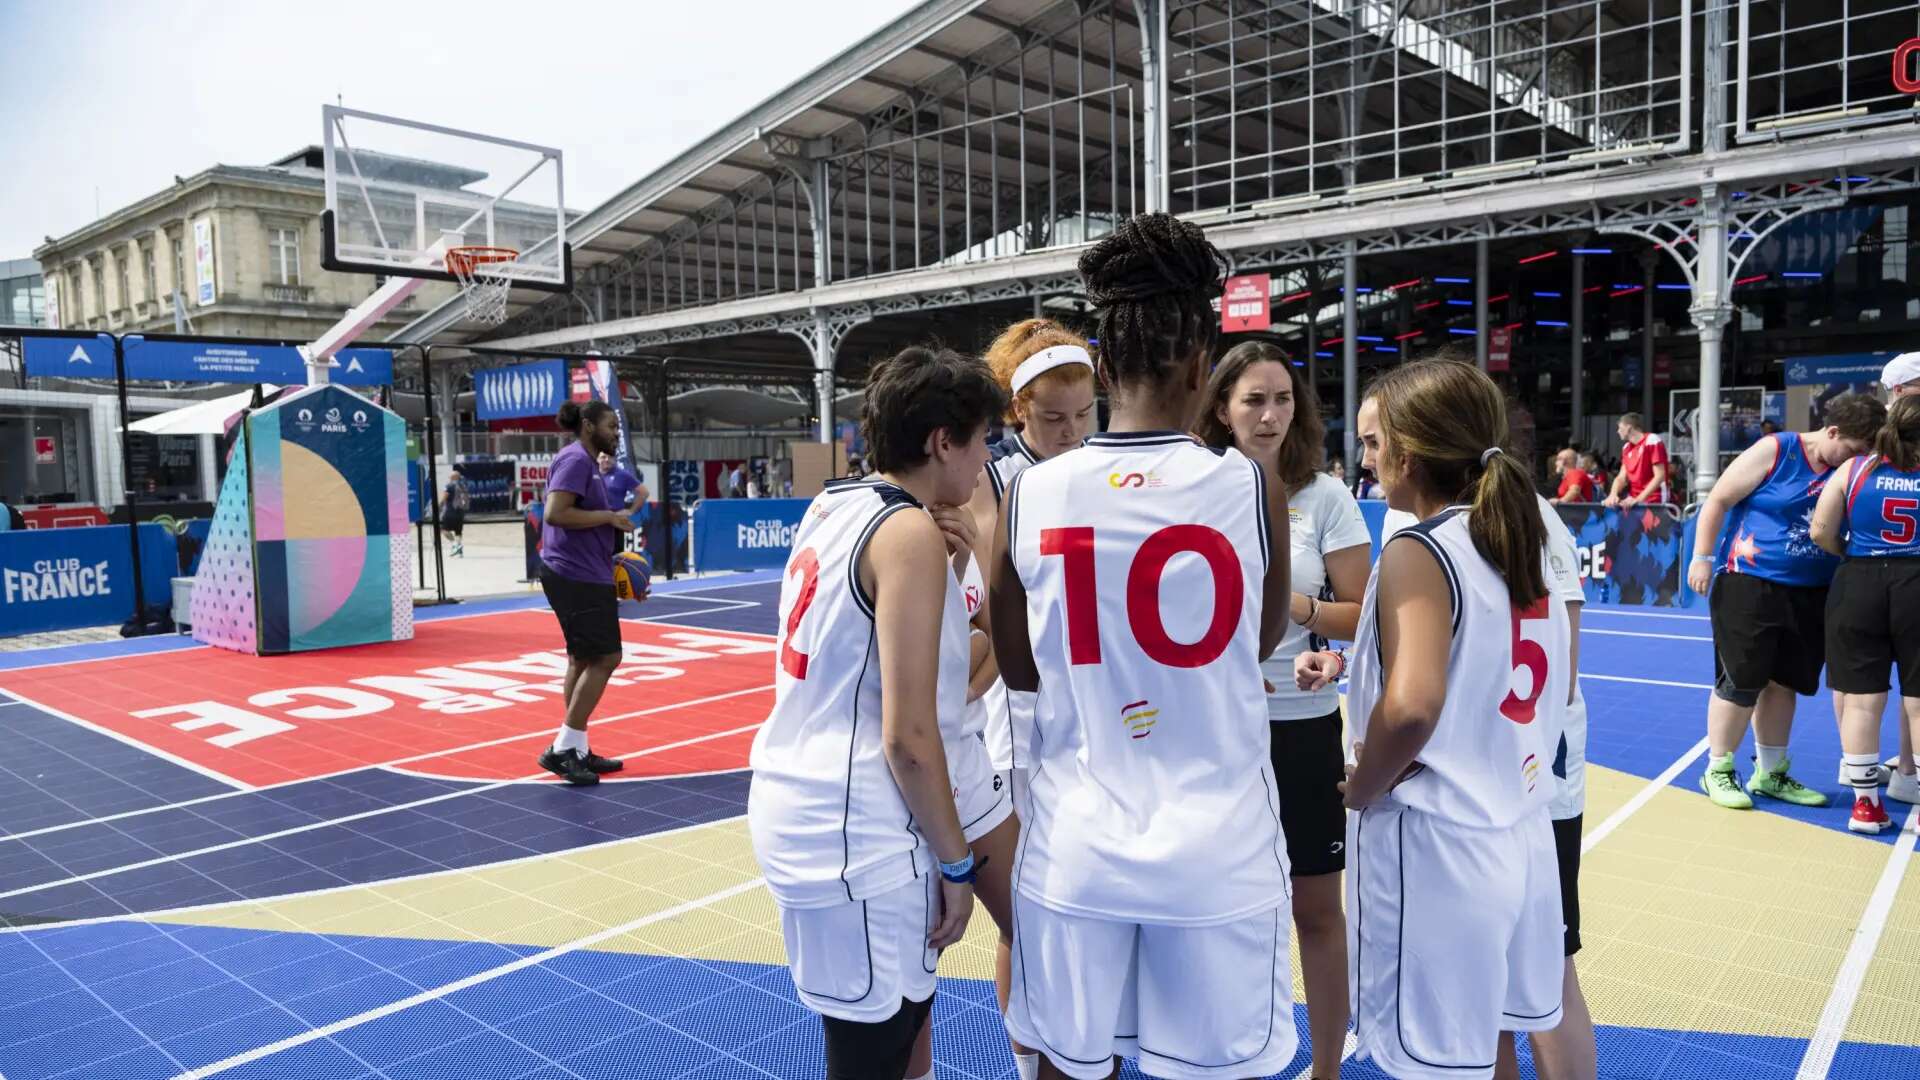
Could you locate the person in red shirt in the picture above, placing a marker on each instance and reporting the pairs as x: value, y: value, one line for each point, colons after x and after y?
x: 1576, y: 485
x: 1644, y: 466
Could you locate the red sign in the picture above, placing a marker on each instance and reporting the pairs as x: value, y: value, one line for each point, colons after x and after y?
x: 1499, y: 348
x: 1244, y: 304
x: 1905, y: 79
x: 43, y: 450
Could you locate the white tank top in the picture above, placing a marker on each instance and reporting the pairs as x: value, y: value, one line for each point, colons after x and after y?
x: 1143, y: 556
x: 973, y: 594
x: 1489, y: 762
x: 828, y: 821
x: 1007, y: 710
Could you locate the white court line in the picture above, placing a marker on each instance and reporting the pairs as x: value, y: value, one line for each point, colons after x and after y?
x: 247, y: 790
x: 129, y: 740
x: 1644, y: 614
x: 162, y: 914
x: 1648, y: 682
x: 1641, y: 633
x: 361, y: 816
x: 1347, y: 1050
x: 1853, y: 970
x: 1642, y: 797
x: 475, y: 979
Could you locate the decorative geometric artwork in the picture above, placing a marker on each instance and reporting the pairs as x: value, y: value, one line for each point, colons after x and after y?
x: 222, y: 603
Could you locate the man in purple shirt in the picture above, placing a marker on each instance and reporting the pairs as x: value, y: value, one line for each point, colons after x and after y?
x: 576, y: 572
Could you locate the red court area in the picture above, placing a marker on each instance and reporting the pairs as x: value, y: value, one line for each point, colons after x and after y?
x: 469, y: 698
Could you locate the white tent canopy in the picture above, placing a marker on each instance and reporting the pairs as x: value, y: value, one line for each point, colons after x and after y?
x: 202, y: 417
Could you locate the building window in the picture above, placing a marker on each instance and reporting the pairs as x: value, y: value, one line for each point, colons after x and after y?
x: 99, y: 290
x: 120, y: 271
x: 179, y: 265
x: 283, y: 256
x: 152, y: 290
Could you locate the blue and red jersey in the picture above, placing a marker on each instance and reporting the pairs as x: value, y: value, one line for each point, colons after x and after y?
x: 1767, y: 534
x: 1883, y: 510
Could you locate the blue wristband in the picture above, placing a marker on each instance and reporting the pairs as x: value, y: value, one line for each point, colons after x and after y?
x: 961, y: 872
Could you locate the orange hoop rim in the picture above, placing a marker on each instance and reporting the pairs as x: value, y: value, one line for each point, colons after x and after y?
x: 461, y: 261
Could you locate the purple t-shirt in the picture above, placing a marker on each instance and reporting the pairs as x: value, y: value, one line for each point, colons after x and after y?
x: 580, y: 554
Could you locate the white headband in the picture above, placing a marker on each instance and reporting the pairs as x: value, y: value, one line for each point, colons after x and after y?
x: 1046, y: 360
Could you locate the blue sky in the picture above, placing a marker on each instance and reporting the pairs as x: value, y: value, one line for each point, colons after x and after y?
x: 104, y: 103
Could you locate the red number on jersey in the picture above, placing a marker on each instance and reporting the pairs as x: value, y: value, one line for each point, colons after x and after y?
x: 806, y: 563
x: 1900, y: 513
x: 1143, y: 595
x: 1531, y: 655
x: 1075, y: 546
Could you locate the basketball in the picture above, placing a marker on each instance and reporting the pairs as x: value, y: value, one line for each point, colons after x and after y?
x: 632, y: 575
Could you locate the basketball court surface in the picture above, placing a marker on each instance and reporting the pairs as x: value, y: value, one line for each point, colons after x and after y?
x: 345, y: 864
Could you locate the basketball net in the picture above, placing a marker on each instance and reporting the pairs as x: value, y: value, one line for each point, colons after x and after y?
x: 484, y: 281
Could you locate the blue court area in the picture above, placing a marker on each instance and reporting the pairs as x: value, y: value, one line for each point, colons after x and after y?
x: 172, y: 909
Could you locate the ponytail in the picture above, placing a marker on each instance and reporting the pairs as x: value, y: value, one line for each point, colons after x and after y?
x: 1898, y: 440
x: 1506, y: 527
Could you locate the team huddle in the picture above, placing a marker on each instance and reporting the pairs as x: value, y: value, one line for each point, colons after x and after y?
x: 1086, y: 677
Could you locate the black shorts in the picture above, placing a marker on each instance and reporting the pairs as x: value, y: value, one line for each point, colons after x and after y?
x: 1873, y: 622
x: 1765, y: 632
x: 453, y: 520
x: 1566, y: 846
x: 588, y: 611
x: 1307, y: 768
x: 874, y: 1051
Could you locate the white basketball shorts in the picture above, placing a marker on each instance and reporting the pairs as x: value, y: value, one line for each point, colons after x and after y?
x: 983, y: 797
x: 859, y: 960
x: 1454, y: 935
x: 1189, y: 1001
x: 1570, y: 794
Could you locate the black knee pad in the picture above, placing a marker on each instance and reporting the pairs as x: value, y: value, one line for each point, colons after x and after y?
x: 874, y: 1051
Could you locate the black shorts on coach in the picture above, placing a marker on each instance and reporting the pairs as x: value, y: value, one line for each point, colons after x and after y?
x: 588, y: 611
x: 1765, y: 632
x: 1873, y: 622
x: 1307, y: 769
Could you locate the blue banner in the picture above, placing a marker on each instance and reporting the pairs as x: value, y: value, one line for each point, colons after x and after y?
x: 68, y: 357
x: 61, y: 579
x: 536, y: 389
x: 242, y: 362
x: 1841, y: 368
x: 744, y: 534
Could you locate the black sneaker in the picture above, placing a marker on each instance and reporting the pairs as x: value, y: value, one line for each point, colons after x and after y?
x: 602, y: 765
x: 568, y: 765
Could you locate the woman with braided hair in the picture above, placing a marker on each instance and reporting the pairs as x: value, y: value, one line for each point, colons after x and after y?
x: 1139, y: 580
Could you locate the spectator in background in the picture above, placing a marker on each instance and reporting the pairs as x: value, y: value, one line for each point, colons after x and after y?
x: 737, y: 482
x: 755, y: 488
x: 1644, y: 466
x: 1338, y: 470
x: 1575, y: 483
x: 1768, y: 427
x: 454, y: 503
x: 1590, y: 462
x: 620, y: 483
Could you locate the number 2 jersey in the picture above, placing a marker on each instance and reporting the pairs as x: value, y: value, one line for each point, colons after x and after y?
x: 1489, y: 761
x: 828, y: 822
x: 1152, y: 797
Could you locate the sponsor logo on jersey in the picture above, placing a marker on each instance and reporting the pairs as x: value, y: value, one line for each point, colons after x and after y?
x: 1530, y: 769
x: 1135, y: 480
x: 1139, y: 718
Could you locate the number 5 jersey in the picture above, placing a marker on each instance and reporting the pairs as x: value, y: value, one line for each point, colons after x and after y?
x: 1153, y: 801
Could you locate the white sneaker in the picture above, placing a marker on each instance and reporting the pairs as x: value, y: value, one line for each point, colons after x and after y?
x: 1904, y: 787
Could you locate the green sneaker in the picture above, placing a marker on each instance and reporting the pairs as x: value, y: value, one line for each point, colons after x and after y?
x: 1778, y: 785
x: 1722, y: 785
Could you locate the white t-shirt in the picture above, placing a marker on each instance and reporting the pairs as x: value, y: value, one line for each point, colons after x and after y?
x: 1322, y: 517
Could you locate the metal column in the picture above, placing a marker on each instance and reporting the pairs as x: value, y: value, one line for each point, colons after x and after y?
x: 1350, y: 355
x: 1480, y: 304
x: 1648, y: 259
x: 823, y: 374
x: 1711, y: 313
x: 1576, y: 326
x: 1153, y: 112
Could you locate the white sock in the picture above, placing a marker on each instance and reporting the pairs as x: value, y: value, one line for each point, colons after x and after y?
x: 1027, y: 1065
x: 928, y: 1076
x: 1863, y: 772
x: 569, y: 739
x: 1772, y: 758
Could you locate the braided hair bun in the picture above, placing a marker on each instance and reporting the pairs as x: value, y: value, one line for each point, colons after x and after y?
x: 1152, y: 281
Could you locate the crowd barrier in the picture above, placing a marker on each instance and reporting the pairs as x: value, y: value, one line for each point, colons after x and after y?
x: 61, y: 579
x: 744, y: 534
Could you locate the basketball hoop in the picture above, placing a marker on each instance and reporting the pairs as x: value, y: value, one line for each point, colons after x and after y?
x: 484, y: 281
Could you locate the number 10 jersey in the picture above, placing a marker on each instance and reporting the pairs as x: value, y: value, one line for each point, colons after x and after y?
x: 1143, y: 556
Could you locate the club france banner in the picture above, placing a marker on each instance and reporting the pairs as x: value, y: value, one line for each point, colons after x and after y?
x: 62, y: 579
x: 745, y: 534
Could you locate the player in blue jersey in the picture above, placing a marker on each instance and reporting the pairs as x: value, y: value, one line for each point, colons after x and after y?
x: 1871, y: 515
x: 1768, y: 597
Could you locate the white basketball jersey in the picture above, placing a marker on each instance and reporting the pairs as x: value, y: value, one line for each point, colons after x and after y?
x: 1153, y: 800
x: 1008, y: 711
x: 1489, y: 761
x: 973, y: 594
x: 828, y: 822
